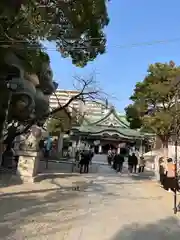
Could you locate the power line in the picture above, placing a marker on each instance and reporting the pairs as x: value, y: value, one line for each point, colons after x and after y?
x: 132, y: 45
x: 73, y: 39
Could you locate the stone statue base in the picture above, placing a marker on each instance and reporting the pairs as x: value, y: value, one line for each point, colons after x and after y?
x: 28, y: 165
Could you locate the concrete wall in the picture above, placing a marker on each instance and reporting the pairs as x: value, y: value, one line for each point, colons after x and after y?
x: 171, y: 151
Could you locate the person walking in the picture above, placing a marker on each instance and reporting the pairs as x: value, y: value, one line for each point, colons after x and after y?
x: 114, y: 159
x: 130, y: 163
x: 82, y: 162
x: 48, y: 147
x: 109, y: 157
x: 134, y: 160
x: 91, y: 152
x: 77, y: 156
x: 162, y: 171
x: 141, y: 164
x: 88, y: 157
x: 119, y: 159
x: 41, y: 144
x: 171, y: 184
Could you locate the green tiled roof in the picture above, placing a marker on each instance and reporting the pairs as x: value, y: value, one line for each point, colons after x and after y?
x: 126, y: 132
x: 92, y: 125
x: 95, y: 118
x: 123, y: 119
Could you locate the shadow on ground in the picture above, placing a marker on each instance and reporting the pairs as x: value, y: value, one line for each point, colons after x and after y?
x: 108, y: 192
x: 9, y: 179
x: 53, y: 175
x: 47, y: 207
x: 147, y: 175
x: 42, y: 212
x: 165, y: 229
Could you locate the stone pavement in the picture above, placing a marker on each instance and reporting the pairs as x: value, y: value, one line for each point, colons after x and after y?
x: 113, y: 207
x: 62, y: 167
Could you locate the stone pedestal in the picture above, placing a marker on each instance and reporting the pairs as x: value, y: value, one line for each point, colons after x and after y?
x: 28, y: 165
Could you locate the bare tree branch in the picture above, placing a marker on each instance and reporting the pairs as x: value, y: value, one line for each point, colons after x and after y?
x: 87, y: 91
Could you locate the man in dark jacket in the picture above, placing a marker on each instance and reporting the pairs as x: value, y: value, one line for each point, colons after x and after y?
x: 130, y: 163
x: 134, y: 161
x: 82, y: 161
x: 85, y: 160
x: 119, y: 160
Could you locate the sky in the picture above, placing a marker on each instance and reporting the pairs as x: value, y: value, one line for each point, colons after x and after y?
x: 118, y: 70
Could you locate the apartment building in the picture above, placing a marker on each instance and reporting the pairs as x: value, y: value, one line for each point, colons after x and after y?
x: 89, y: 107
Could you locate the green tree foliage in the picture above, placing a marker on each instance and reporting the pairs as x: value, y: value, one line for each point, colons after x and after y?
x: 63, y: 120
x: 76, y: 26
x: 55, y: 126
x: 153, y: 106
x: 133, y: 117
x: 59, y: 122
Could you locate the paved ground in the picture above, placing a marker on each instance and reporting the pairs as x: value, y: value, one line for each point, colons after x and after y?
x: 113, y: 207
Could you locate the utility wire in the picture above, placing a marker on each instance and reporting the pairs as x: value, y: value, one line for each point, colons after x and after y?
x: 128, y: 46
x: 73, y: 39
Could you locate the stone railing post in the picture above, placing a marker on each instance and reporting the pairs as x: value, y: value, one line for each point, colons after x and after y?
x: 28, y: 165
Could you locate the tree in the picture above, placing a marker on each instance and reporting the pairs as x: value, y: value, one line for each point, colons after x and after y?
x: 65, y: 116
x: 87, y: 90
x: 133, y: 117
x: 75, y: 26
x: 30, y: 99
x: 63, y: 120
x: 59, y: 122
x: 153, y: 106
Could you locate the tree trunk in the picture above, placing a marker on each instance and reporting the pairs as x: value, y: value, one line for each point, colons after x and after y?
x: 60, y: 143
x: 164, y: 140
x: 1, y: 151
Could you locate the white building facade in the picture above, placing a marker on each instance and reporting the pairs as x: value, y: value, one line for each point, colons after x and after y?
x: 61, y: 97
